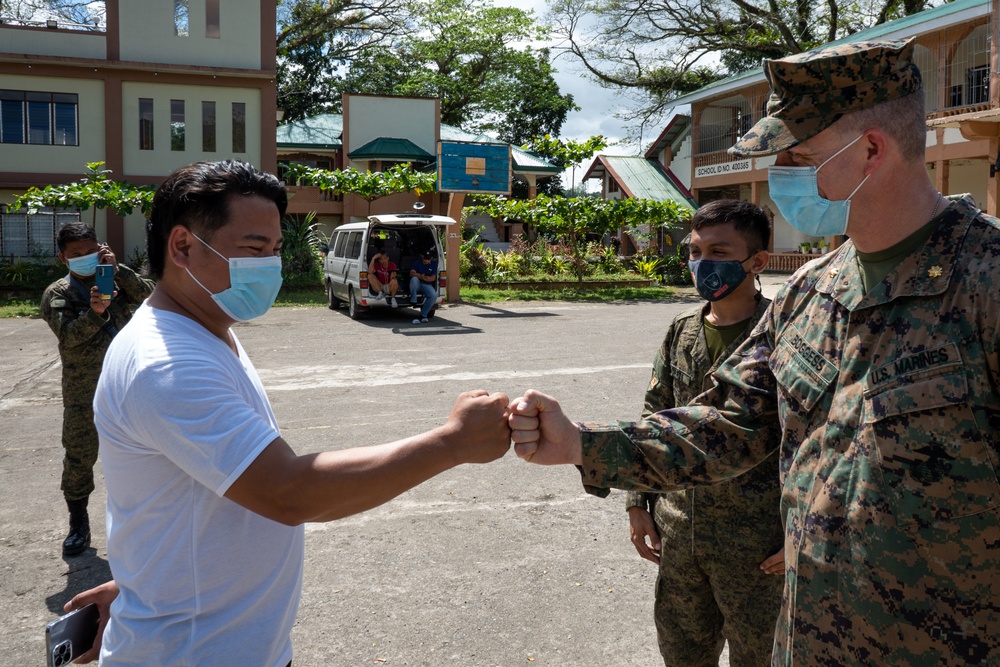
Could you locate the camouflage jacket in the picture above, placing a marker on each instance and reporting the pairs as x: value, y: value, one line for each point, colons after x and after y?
x: 889, y: 405
x: 84, y: 335
x: 682, y: 369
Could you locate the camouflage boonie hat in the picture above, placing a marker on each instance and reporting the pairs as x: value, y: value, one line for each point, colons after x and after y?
x: 811, y: 90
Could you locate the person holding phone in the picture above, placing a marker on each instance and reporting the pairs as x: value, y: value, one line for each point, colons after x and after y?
x: 84, y: 322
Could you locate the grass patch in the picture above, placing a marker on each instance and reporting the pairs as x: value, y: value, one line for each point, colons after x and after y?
x: 301, y: 297
x: 596, y: 294
x: 18, y: 308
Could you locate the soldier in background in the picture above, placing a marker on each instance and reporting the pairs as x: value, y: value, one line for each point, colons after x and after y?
x: 881, y: 363
x: 84, y: 323
x: 718, y: 547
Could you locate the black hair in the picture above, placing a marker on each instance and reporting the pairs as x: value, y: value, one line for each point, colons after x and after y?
x: 197, y: 196
x: 749, y: 220
x: 74, y: 231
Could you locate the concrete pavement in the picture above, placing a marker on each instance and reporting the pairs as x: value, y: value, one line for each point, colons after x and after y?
x: 503, y: 564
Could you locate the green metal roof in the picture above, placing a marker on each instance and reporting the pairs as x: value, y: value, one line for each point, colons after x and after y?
x: 908, y: 25
x: 643, y: 178
x: 325, y: 132
x: 389, y: 148
x: 317, y: 132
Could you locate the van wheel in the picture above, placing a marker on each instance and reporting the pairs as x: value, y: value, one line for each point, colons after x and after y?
x: 353, y: 309
x: 332, y: 302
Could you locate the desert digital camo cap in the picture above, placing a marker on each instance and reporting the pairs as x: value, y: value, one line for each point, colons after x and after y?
x: 811, y: 90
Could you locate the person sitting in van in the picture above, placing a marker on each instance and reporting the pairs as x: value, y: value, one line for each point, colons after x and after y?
x: 423, y: 280
x: 382, y: 277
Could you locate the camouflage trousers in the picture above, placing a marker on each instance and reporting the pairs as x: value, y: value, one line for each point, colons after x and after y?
x: 717, y: 592
x: 79, y: 440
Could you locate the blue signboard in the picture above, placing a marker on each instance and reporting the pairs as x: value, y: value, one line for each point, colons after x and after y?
x: 470, y: 167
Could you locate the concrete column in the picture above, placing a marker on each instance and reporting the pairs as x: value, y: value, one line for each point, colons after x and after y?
x: 453, y: 247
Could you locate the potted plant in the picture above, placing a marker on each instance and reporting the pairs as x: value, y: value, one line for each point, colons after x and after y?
x: 805, y: 247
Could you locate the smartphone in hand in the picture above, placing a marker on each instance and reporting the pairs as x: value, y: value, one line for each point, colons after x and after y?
x: 106, y: 280
x: 70, y: 636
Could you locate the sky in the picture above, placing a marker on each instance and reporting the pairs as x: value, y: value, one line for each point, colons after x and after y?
x: 597, y: 105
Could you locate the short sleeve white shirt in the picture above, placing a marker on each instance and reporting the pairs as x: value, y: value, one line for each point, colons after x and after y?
x: 203, y: 580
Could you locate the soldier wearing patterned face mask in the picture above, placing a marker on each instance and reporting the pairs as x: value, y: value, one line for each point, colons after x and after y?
x: 717, y: 548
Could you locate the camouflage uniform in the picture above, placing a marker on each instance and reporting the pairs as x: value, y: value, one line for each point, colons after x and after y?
x: 710, y: 584
x: 84, y: 337
x: 889, y: 405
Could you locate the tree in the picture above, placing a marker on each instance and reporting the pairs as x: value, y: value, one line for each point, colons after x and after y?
x: 317, y: 40
x: 95, y: 190
x: 656, y: 50
x: 369, y: 185
x: 572, y: 218
x: 462, y: 52
x: 69, y: 13
x: 563, y: 154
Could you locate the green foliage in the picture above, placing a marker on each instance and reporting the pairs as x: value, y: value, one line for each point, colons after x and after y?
x: 369, y: 185
x: 570, y: 219
x: 138, y: 260
x: 15, y: 272
x: 468, y: 54
x: 95, y: 190
x: 301, y: 260
x: 485, y: 294
x: 317, y: 41
x: 647, y: 267
x: 657, y: 50
x: 674, y: 271
x: 565, y: 153
x: 607, y: 257
x: 18, y: 308
x: 30, y: 275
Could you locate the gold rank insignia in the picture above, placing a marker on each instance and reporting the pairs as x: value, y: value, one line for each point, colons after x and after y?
x: 935, y: 271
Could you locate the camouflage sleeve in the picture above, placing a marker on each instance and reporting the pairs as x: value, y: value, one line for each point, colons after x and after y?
x: 132, y: 285
x: 62, y: 314
x: 724, y: 432
x: 660, y: 393
x: 659, y: 396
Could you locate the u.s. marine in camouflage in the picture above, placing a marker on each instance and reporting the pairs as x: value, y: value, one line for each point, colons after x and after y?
x: 710, y: 585
x: 890, y: 414
x: 887, y: 391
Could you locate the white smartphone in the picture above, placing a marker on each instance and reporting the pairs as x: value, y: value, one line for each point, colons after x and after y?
x: 70, y: 636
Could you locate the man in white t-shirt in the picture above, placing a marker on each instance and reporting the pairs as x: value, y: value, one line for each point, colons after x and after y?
x: 195, y: 466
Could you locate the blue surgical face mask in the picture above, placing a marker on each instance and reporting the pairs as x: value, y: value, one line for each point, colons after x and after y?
x: 85, y: 266
x: 253, y: 285
x: 716, y: 280
x: 796, y: 193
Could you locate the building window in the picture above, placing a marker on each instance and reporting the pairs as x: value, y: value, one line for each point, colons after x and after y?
x: 212, y: 19
x: 977, y: 81
x: 177, y: 125
x: 39, y: 118
x: 145, y: 124
x: 612, y: 185
x: 181, y: 15
x: 23, y: 235
x: 239, y: 127
x: 208, y: 127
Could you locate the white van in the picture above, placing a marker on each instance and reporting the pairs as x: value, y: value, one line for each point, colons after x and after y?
x: 404, y: 237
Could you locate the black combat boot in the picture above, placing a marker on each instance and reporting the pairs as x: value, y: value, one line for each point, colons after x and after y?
x: 79, y: 528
